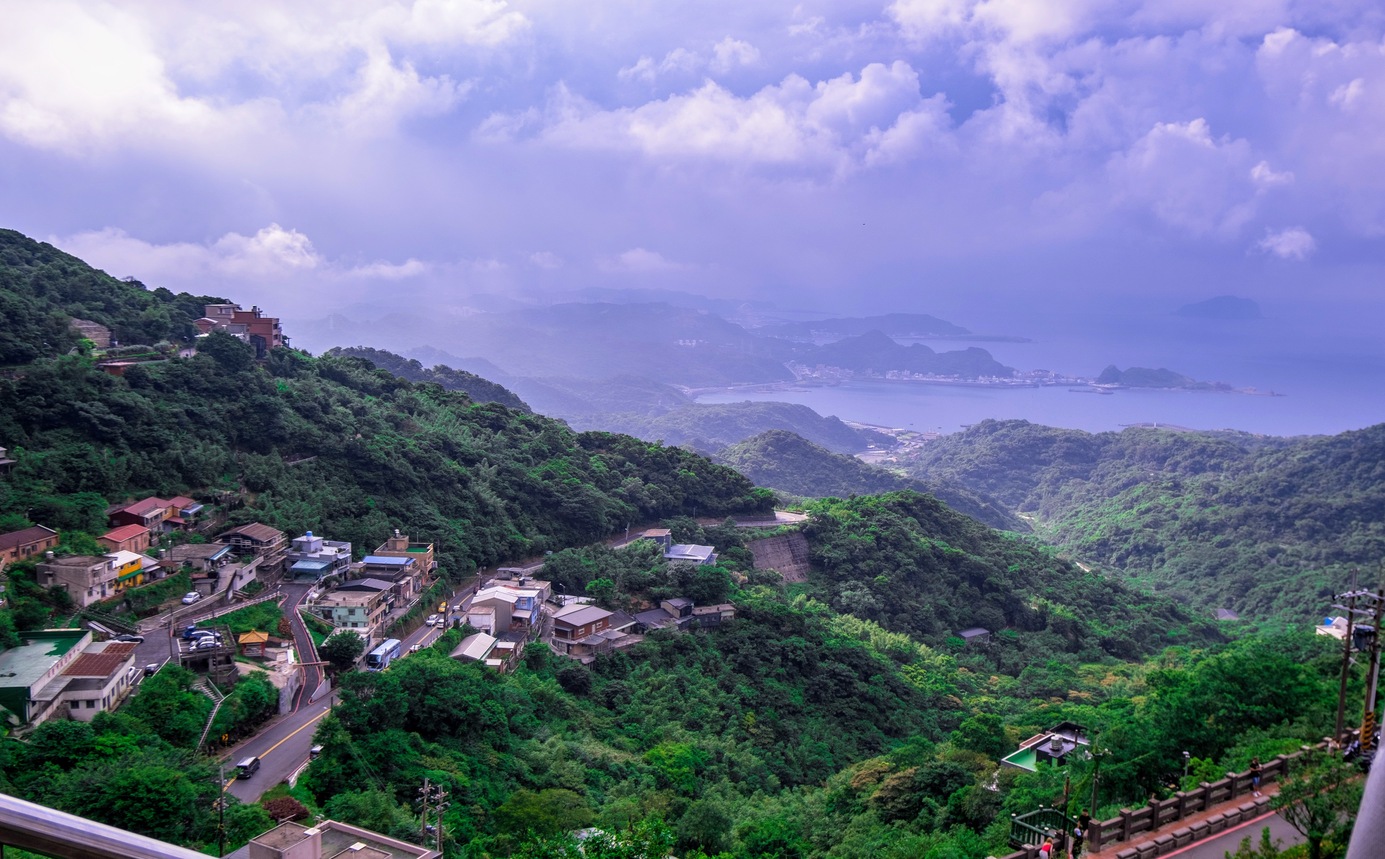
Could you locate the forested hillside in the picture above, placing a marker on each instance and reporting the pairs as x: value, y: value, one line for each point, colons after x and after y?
x: 1269, y: 527
x: 916, y: 567
x: 790, y: 463
x: 478, y: 389
x: 42, y: 289
x: 710, y: 427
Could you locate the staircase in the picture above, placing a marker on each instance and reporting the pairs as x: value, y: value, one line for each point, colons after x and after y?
x: 206, y: 688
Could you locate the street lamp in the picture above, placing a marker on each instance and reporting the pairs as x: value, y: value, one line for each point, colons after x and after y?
x: 1187, y: 758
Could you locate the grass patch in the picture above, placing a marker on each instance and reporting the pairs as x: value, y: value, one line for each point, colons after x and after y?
x: 263, y: 617
x: 318, y: 629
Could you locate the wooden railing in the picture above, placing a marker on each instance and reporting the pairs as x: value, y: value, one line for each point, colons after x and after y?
x: 1132, y: 823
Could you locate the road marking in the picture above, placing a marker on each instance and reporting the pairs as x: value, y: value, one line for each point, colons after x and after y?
x: 266, y: 752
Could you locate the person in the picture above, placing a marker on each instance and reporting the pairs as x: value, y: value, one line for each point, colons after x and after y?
x: 1078, y: 836
x: 1046, y: 851
x: 1255, y: 776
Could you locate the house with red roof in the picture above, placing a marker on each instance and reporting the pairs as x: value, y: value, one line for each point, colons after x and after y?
x: 126, y: 538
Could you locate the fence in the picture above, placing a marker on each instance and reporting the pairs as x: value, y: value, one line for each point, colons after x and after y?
x: 1159, y: 813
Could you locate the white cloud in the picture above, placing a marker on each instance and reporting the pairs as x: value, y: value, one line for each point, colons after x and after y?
x: 837, y: 123
x: 83, y: 77
x: 546, y: 260
x: 730, y: 54
x: 1188, y: 179
x: 390, y: 271
x: 1265, y: 177
x: 1291, y: 243
x: 641, y: 261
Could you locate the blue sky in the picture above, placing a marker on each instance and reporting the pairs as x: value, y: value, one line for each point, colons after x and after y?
x: 946, y: 156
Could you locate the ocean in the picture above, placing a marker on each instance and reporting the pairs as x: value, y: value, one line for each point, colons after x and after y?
x: 1328, y: 381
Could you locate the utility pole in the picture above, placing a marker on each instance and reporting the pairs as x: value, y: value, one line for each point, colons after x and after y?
x: 426, y: 794
x: 1368, y: 719
x: 221, y: 812
x: 440, y: 805
x: 1346, y: 665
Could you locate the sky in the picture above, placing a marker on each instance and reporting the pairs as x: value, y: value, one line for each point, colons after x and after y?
x: 976, y: 160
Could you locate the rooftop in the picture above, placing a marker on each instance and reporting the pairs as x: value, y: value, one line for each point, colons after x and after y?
x: 31, y: 534
x: 38, y: 651
x: 124, y: 532
x: 580, y: 615
x: 386, y: 561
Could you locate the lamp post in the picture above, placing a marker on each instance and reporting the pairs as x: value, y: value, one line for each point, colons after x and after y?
x: 1187, y: 758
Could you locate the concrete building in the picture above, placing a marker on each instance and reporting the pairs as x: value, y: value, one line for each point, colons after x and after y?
x: 311, y: 558
x: 257, y: 540
x: 361, y: 611
x: 26, y: 670
x: 252, y: 326
x: 101, y: 677
x: 86, y: 578
x: 691, y: 554
x: 399, y: 546
x: 329, y: 840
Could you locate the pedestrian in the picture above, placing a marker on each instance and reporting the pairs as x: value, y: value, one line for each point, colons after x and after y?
x: 1078, y: 836
x: 1046, y: 851
x: 1255, y: 776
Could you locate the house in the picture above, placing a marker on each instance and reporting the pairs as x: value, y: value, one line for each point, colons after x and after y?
x: 655, y: 618
x: 126, y: 538
x: 494, y: 614
x: 256, y: 540
x: 662, y: 536
x: 475, y: 648
x: 252, y: 326
x: 311, y: 558
x: 691, y: 554
x: 581, y: 630
x: 179, y: 513
x: 6, y: 464
x: 328, y: 839
x: 399, y: 546
x: 96, y: 681
x: 404, y: 575
x: 201, y: 557
x: 26, y: 543
x: 86, y: 578
x: 27, y: 670
x: 129, y: 569
x: 362, y: 611
x: 678, y: 606
x: 706, y: 616
x: 525, y: 599
x: 1053, y: 746
x: 975, y: 635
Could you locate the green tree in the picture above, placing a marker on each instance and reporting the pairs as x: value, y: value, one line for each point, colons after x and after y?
x: 342, y: 650
x: 544, y: 813
x: 1320, y: 801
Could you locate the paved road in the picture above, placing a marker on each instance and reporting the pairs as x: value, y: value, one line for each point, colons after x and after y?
x: 1219, y: 845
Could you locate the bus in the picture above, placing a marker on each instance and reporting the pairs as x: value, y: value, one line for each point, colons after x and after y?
x: 381, y: 657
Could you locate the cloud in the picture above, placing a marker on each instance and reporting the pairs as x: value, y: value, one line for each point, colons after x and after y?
x: 83, y: 78
x: 1291, y: 243
x: 730, y: 54
x: 546, y: 260
x: 390, y: 271
x: 1189, y: 179
x: 641, y: 261
x: 838, y: 123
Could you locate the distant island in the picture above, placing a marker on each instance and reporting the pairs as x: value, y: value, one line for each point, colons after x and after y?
x: 1222, y: 308
x: 1144, y: 377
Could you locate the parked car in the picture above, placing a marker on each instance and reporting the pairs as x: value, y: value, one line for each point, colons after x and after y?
x: 207, y: 644
x: 129, y: 638
x: 191, y: 597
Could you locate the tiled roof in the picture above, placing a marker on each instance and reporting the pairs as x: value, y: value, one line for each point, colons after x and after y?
x: 96, y: 664
x: 29, y: 535
x: 145, y: 507
x: 124, y: 532
x: 257, y: 531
